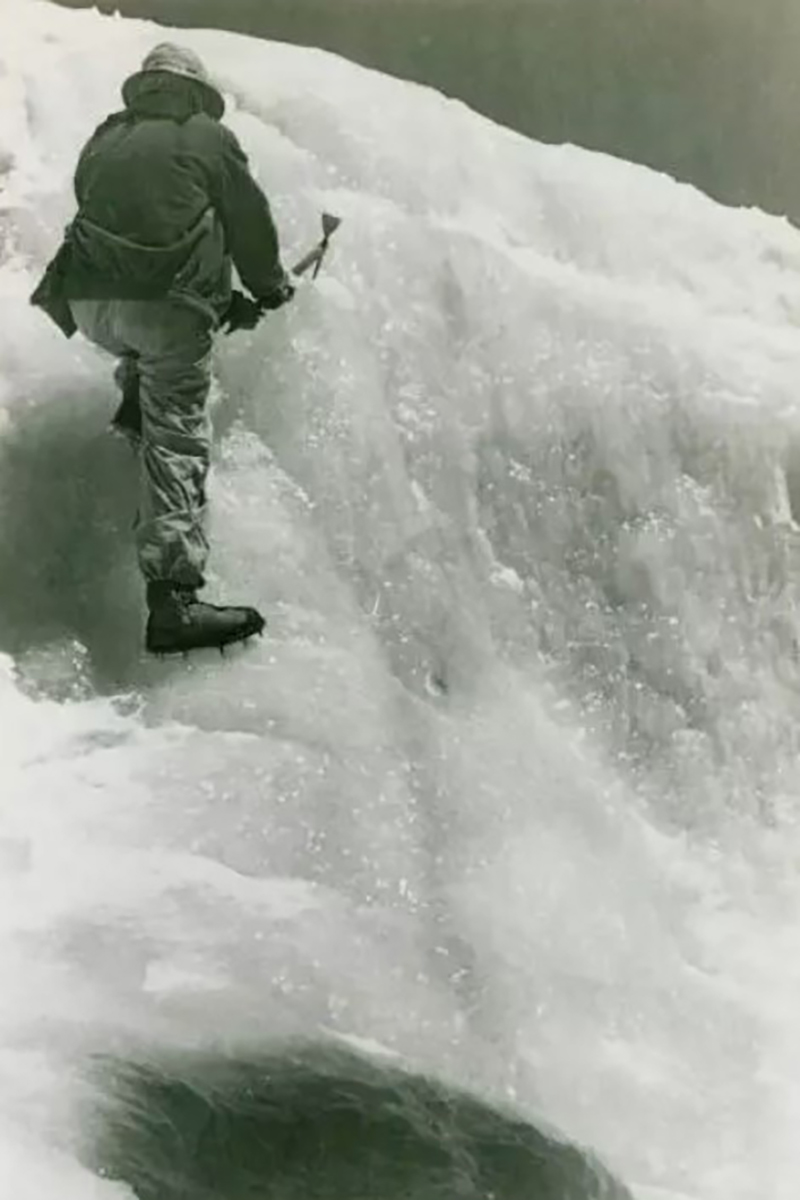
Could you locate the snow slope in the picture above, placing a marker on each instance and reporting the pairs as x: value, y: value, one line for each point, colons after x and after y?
x: 510, y: 790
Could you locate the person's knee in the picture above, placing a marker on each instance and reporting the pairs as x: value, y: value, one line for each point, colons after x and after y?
x: 175, y: 410
x: 169, y: 451
x: 95, y: 321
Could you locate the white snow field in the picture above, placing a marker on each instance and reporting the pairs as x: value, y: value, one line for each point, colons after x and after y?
x: 509, y: 792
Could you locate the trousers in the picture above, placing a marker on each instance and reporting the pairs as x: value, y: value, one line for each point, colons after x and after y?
x: 170, y: 345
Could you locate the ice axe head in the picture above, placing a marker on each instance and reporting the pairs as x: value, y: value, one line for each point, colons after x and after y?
x: 329, y: 224
x: 314, y: 257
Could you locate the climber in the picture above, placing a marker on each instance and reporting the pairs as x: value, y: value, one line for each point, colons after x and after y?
x: 166, y: 206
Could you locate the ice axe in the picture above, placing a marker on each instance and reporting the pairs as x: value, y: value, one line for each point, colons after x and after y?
x: 314, y: 257
x: 245, y: 313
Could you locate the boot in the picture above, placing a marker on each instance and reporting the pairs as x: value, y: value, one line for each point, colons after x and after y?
x: 178, y: 621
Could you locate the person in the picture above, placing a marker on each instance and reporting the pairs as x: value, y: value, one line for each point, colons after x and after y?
x: 166, y: 205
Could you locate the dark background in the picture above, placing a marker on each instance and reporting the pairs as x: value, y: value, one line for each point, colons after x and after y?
x: 704, y: 89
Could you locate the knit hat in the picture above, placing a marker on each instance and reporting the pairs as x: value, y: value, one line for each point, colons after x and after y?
x: 169, y: 59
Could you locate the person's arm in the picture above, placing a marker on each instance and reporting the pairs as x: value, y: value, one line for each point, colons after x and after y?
x: 246, y: 216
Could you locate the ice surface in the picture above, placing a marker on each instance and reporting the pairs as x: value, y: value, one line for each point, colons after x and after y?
x: 510, y: 789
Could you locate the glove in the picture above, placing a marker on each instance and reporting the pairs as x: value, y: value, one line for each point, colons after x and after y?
x: 241, y: 313
x: 281, y: 294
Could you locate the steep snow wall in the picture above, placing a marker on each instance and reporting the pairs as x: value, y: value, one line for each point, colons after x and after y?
x: 509, y: 790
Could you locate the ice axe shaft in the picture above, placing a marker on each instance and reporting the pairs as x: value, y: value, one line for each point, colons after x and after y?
x: 314, y: 257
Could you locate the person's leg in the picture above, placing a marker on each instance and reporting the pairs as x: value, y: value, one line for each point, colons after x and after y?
x: 174, y: 349
x: 171, y: 347
x: 174, y: 344
x: 98, y: 321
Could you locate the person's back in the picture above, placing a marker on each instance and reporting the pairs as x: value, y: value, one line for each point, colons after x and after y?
x: 165, y: 202
x: 174, y: 158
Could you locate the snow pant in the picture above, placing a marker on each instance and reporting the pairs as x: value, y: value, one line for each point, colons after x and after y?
x: 171, y: 346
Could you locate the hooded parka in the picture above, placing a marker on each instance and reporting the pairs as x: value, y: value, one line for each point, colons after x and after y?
x: 165, y: 201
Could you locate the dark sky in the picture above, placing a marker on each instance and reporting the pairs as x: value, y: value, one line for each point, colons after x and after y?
x: 704, y: 89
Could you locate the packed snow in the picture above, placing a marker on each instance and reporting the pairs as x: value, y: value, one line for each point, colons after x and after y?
x: 509, y: 792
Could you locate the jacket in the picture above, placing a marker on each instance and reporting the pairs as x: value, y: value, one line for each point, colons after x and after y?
x: 165, y: 201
